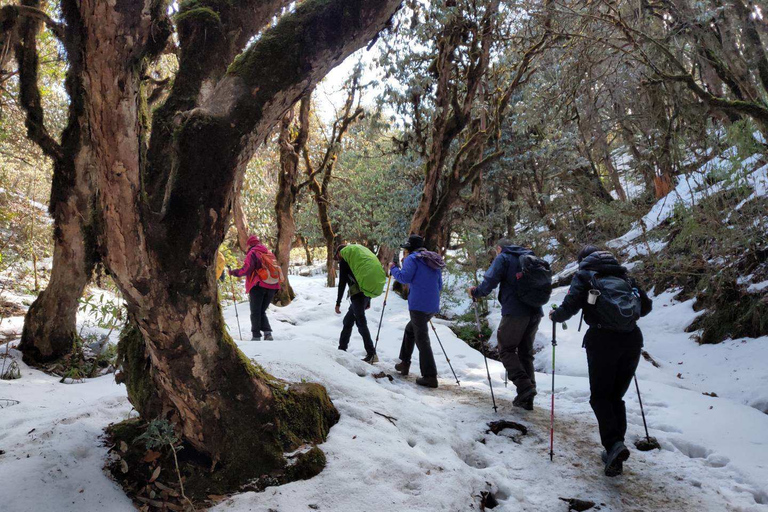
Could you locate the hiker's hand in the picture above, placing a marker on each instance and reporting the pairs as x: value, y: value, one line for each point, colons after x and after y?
x: 471, y: 291
x: 551, y: 313
x: 391, y: 264
x: 367, y: 307
x: 338, y: 309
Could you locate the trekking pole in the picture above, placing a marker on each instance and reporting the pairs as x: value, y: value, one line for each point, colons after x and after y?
x: 487, y: 371
x: 651, y: 443
x: 382, y: 313
x: 234, y: 301
x: 444, y: 353
x: 642, y: 411
x: 581, y: 319
x: 552, y: 414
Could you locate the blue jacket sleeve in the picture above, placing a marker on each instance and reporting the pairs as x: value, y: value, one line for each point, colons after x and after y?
x: 440, y: 282
x: 492, y: 277
x: 407, y: 272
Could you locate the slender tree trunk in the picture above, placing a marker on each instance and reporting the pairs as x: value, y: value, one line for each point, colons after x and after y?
x: 287, y: 191
x: 320, y: 194
x: 241, y: 223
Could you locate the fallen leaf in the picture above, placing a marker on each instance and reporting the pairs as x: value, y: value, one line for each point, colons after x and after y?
x: 123, y: 447
x: 123, y: 466
x: 155, y: 474
x: 151, y: 456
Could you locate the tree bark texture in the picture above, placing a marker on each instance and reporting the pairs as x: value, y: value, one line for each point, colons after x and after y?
x: 163, y: 205
x: 50, y: 323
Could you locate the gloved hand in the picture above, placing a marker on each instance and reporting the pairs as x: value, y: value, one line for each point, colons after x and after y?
x: 338, y: 309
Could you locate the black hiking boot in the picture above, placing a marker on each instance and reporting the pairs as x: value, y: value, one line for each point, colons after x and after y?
x: 268, y: 336
x: 427, y: 382
x: 256, y: 338
x: 615, y: 458
x: 403, y: 368
x: 371, y: 359
x: 524, y: 399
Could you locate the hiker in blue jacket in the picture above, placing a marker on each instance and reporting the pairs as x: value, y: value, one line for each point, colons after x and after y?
x: 519, y: 321
x: 422, y: 271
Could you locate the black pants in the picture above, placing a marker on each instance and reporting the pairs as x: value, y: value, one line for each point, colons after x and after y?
x: 260, y: 299
x: 356, y: 315
x: 613, y: 358
x: 516, y: 335
x: 417, y: 333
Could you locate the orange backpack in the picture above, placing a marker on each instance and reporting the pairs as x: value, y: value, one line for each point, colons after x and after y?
x: 270, y: 272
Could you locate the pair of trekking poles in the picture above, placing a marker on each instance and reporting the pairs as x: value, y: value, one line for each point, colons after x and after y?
x: 649, y: 443
x: 381, y: 320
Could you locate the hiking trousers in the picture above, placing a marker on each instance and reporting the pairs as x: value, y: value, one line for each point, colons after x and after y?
x: 417, y: 334
x: 516, y: 335
x: 612, y: 358
x: 260, y: 299
x: 356, y: 315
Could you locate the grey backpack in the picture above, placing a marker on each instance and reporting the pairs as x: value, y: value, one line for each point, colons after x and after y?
x: 618, y: 306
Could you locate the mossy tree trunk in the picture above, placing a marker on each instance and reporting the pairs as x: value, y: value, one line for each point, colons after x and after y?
x: 50, y: 324
x: 292, y: 140
x: 162, y: 206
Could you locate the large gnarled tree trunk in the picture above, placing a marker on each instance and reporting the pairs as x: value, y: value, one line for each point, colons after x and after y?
x: 162, y: 218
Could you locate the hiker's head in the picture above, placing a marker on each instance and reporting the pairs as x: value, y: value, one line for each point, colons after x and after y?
x: 337, y: 251
x: 414, y: 243
x: 253, y: 241
x: 502, y: 243
x: 586, y: 251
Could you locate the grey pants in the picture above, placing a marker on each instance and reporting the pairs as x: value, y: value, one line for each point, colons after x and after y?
x: 516, y: 335
x: 417, y: 334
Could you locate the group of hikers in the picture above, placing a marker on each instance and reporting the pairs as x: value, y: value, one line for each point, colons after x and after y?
x: 610, y: 300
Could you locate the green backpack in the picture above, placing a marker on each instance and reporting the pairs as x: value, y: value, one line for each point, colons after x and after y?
x: 367, y: 269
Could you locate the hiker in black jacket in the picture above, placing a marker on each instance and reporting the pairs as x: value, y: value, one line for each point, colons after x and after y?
x: 519, y: 321
x: 358, y: 304
x: 612, y: 355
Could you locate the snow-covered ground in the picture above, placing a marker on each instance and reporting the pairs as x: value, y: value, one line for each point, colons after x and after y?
x: 437, y: 456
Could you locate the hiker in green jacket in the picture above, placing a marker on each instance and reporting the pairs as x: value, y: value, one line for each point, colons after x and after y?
x: 358, y: 259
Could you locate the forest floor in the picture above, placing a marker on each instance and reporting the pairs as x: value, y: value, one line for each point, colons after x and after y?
x: 435, y: 453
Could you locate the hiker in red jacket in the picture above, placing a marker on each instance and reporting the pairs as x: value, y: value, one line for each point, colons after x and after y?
x: 263, y: 277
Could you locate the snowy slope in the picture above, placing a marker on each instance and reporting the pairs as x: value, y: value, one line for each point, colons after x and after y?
x: 437, y: 455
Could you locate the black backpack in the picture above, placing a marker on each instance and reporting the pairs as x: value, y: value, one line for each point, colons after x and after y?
x: 534, y: 281
x: 618, y: 306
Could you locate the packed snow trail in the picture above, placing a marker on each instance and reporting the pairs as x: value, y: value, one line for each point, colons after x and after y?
x: 437, y: 456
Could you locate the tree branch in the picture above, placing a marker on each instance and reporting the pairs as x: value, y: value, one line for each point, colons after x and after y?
x: 29, y: 91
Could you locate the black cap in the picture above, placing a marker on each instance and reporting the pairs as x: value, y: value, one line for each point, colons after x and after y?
x: 586, y: 251
x: 414, y: 242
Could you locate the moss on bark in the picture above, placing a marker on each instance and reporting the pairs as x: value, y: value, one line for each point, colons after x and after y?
x: 135, y: 372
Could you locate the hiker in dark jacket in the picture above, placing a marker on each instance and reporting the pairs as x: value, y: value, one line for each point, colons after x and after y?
x: 519, y: 321
x: 612, y: 356
x: 260, y: 294
x: 359, y: 303
x: 422, y: 270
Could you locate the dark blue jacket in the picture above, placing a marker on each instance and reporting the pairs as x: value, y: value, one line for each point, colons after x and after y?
x: 504, y: 271
x: 425, y: 284
x: 605, y: 264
